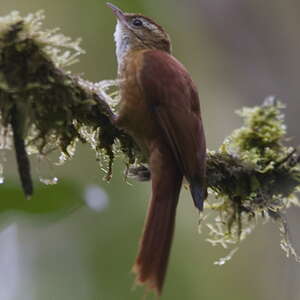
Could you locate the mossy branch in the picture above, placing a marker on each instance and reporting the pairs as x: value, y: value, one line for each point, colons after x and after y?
x: 44, y: 108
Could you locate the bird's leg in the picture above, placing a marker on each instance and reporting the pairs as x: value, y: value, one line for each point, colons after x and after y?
x: 139, y: 173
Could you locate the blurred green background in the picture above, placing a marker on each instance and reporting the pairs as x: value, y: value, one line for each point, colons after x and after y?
x: 78, y: 239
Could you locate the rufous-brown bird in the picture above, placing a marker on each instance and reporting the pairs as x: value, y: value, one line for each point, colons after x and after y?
x: 160, y: 109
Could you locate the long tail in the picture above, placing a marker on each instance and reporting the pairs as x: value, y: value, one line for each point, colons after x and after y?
x: 152, y: 260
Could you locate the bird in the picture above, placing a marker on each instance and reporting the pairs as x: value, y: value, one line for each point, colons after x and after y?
x: 160, y: 110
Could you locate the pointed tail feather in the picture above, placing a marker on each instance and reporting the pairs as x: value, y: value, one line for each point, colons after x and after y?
x: 152, y: 260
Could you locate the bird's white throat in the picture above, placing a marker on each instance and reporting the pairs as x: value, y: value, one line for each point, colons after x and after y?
x: 122, y: 41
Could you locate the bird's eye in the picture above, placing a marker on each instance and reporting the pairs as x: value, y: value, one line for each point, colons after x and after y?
x: 137, y: 22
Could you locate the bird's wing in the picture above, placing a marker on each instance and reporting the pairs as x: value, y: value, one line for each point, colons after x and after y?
x: 173, y: 100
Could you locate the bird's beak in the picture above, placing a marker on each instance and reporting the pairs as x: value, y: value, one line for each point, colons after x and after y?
x: 117, y: 12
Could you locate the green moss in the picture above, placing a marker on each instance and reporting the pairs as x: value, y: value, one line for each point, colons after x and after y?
x: 55, y: 107
x: 253, y: 175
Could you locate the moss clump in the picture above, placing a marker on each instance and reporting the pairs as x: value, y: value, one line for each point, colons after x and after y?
x: 55, y: 109
x: 253, y: 175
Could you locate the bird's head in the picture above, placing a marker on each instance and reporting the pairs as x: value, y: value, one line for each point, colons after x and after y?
x: 135, y: 31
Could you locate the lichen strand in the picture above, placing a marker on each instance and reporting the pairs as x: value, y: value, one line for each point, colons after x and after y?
x: 253, y: 175
x: 53, y: 104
